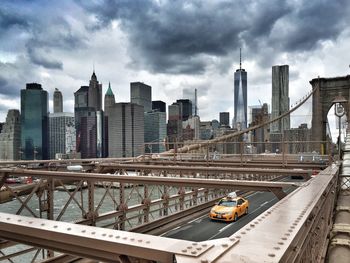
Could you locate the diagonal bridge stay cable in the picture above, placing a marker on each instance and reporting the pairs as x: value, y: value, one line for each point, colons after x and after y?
x: 197, y: 146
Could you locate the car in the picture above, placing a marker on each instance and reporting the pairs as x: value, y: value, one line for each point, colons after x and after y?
x: 229, y: 209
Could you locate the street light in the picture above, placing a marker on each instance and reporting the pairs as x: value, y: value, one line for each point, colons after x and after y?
x: 339, y: 111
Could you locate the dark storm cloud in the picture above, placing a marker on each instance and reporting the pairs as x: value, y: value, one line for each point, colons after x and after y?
x: 312, y: 23
x: 9, y: 20
x: 177, y: 36
x: 7, y: 88
x: 40, y: 58
x: 36, y: 28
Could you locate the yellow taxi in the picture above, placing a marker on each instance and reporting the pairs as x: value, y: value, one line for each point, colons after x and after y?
x: 229, y: 209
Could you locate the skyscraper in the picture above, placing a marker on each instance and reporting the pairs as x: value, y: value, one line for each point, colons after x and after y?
x: 57, y: 101
x: 34, y: 122
x: 95, y: 93
x: 89, y: 119
x: 10, y: 137
x: 62, y: 138
x: 186, y: 108
x: 109, y: 102
x: 125, y: 130
x: 225, y: 119
x: 280, y: 98
x: 141, y: 94
x: 240, y: 97
x: 155, y: 131
x: 159, y: 105
x: 174, y: 126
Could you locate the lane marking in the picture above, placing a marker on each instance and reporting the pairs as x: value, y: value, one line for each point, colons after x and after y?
x: 222, y: 229
x: 265, y: 203
x: 197, y: 219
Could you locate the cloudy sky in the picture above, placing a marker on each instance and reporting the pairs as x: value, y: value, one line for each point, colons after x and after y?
x: 171, y: 45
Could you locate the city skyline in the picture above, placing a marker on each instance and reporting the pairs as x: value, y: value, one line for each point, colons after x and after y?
x: 58, y: 49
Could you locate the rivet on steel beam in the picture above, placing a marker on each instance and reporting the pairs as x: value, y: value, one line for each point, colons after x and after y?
x: 198, y: 248
x: 140, y: 240
x: 224, y: 245
x: 238, y: 237
x: 280, y: 243
x: 277, y: 248
x: 69, y: 229
x: 252, y: 225
x: 243, y: 232
x: 125, y: 238
x: 19, y: 220
x: 204, y: 245
x: 117, y: 236
x: 194, y: 244
x: 147, y: 242
x: 193, y: 252
x: 10, y: 219
x: 271, y: 255
x: 284, y: 238
x: 132, y: 239
x: 204, y: 261
x: 184, y: 250
x: 104, y: 234
x: 110, y: 236
x: 42, y: 224
x: 287, y: 234
x: 232, y: 239
x: 83, y: 231
x: 57, y: 226
x: 93, y: 233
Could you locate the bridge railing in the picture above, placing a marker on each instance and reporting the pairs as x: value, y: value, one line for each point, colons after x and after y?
x: 293, y: 230
x: 284, y: 151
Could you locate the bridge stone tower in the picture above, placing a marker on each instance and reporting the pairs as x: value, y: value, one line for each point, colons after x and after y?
x: 322, y: 101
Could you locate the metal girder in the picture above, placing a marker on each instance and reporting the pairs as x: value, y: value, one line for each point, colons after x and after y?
x: 155, y: 180
x: 95, y: 243
x: 232, y: 164
x: 231, y: 170
x: 284, y: 233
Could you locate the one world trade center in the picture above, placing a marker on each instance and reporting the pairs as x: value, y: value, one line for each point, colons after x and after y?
x: 240, y: 97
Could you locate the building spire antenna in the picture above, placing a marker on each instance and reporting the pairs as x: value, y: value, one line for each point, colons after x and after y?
x: 93, y: 66
x: 240, y: 58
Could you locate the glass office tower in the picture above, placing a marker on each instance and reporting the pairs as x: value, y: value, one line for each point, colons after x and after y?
x: 240, y: 98
x: 34, y: 122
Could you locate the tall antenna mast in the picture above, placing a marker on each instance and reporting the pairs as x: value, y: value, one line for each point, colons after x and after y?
x: 240, y: 58
x: 195, y: 102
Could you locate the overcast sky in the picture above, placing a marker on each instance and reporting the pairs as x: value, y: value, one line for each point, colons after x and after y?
x: 171, y: 45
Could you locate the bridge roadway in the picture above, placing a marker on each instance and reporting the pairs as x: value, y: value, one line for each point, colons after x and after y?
x: 203, y: 228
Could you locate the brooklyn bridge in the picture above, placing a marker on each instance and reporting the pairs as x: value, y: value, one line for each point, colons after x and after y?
x: 155, y: 207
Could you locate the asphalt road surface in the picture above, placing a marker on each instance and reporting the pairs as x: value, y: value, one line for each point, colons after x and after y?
x: 203, y: 228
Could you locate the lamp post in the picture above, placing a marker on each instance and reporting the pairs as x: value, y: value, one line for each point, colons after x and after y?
x: 339, y: 112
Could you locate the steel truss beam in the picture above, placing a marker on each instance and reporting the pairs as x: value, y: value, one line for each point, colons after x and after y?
x: 204, y: 169
x: 293, y: 230
x: 275, y: 187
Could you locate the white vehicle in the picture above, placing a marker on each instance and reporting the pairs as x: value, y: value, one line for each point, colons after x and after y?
x: 232, y: 195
